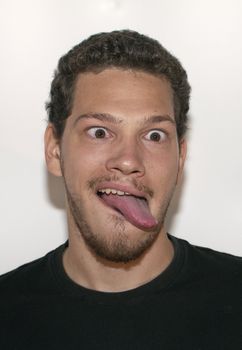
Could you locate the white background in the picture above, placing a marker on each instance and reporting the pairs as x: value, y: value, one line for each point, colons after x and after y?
x: 205, y: 35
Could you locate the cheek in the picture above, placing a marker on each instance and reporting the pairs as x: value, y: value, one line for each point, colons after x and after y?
x: 81, y: 164
x: 163, y: 165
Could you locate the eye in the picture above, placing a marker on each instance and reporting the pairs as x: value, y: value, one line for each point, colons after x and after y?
x: 155, y: 135
x: 98, y: 132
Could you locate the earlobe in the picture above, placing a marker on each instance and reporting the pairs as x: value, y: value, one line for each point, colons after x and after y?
x: 52, y: 151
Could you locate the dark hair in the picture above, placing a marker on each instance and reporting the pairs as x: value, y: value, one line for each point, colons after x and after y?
x: 123, y: 49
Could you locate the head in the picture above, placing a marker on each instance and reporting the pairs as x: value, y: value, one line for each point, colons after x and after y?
x: 117, y: 119
x: 124, y: 49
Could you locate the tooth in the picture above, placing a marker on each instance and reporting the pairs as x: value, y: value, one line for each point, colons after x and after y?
x: 113, y: 191
x: 120, y: 193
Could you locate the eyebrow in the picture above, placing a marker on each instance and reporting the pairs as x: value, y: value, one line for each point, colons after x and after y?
x: 159, y: 119
x: 106, y: 117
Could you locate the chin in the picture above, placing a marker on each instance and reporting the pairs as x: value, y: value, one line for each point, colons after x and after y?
x: 119, y: 242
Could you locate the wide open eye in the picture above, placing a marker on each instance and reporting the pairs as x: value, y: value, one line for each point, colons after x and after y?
x: 98, y: 132
x: 155, y: 135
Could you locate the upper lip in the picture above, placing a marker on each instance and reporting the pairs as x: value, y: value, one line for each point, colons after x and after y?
x: 122, y: 187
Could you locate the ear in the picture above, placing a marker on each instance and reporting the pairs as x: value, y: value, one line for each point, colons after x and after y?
x: 52, y: 151
x: 182, y: 156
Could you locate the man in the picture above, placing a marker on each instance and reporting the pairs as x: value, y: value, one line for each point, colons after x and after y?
x: 116, y: 134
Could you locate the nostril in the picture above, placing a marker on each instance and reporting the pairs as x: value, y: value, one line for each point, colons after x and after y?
x: 126, y: 163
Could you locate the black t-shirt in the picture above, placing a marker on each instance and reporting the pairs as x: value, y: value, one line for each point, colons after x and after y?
x: 196, y: 303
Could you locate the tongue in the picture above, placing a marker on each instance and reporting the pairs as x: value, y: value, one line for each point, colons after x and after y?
x: 134, y: 209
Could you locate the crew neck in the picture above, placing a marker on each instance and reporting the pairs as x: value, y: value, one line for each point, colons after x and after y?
x: 161, y: 282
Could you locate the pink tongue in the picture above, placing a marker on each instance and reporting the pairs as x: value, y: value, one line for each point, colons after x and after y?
x: 134, y: 209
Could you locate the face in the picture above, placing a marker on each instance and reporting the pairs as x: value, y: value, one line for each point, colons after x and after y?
x: 120, y: 138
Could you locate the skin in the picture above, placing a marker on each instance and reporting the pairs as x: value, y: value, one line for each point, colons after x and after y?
x: 137, y: 149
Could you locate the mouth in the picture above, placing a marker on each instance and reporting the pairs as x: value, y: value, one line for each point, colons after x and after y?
x: 103, y: 193
x: 134, y: 208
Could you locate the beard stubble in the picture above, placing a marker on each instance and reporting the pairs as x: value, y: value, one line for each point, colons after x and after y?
x: 117, y: 246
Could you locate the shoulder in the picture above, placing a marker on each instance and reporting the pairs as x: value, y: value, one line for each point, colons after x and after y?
x: 31, y: 276
x: 208, y: 255
x: 215, y: 259
x: 212, y: 266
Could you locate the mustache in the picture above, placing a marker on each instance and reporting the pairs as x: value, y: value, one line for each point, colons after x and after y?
x: 93, y: 183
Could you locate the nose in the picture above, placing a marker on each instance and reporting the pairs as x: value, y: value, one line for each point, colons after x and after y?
x: 126, y: 158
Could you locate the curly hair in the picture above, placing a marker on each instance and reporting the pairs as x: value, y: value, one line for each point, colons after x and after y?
x: 123, y: 49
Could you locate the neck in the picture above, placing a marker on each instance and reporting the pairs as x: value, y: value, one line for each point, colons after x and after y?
x: 86, y: 269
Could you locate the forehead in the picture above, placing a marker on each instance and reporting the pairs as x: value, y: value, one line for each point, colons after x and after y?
x: 122, y: 92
